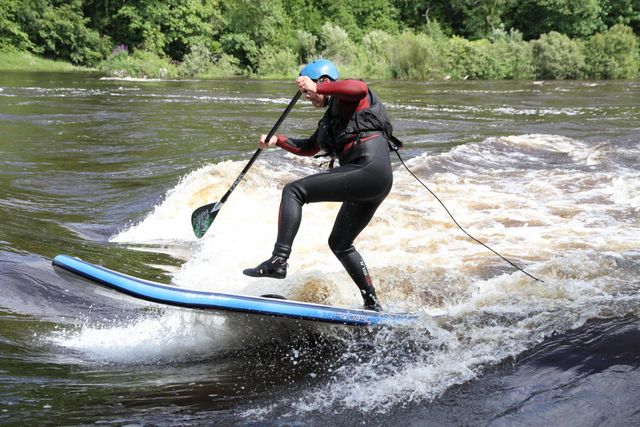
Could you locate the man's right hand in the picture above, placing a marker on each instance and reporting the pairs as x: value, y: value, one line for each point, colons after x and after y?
x: 262, y: 144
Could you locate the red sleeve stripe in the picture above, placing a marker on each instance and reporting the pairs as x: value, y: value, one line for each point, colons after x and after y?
x: 285, y: 144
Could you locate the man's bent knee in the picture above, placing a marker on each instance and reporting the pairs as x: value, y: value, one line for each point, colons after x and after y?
x: 339, y: 247
x: 293, y: 190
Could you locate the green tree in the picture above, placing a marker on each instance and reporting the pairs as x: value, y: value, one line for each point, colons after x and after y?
x: 189, y: 23
x: 11, y: 33
x: 416, y: 56
x: 613, y: 54
x: 418, y: 14
x: 621, y: 12
x: 169, y: 27
x: 135, y: 25
x: 514, y: 55
x: 374, y: 15
x: 482, y: 59
x: 339, y: 14
x: 251, y: 25
x: 277, y: 62
x: 265, y: 22
x: 241, y: 47
x: 574, y: 18
x: 197, y: 61
x: 58, y: 29
x: 356, y: 17
x: 556, y: 56
x: 306, y: 47
x: 304, y: 15
x: 480, y: 17
x: 337, y: 44
x: 374, y: 55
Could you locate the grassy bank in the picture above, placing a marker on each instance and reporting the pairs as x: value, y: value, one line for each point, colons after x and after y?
x: 25, y: 61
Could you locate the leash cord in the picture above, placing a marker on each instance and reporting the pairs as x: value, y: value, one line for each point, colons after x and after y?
x: 456, y: 222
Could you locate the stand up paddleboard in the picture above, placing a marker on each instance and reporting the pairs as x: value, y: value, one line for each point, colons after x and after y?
x: 222, y: 302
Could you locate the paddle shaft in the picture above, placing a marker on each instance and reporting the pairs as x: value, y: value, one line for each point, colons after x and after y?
x: 274, y: 129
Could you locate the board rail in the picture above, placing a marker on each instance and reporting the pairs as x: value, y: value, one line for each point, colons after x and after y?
x: 217, y: 301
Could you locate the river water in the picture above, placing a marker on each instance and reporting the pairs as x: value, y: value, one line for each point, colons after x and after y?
x: 546, y: 173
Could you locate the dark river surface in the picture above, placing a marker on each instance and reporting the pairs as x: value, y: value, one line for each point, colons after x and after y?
x: 546, y: 173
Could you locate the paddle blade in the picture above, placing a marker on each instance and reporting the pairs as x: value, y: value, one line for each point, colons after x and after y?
x: 202, y: 218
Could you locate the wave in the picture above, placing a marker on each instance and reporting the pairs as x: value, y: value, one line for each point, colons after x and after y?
x: 556, y: 205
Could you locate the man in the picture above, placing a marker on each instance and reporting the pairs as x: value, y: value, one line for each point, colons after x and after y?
x: 355, y: 130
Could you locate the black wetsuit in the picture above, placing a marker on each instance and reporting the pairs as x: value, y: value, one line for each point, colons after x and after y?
x: 362, y: 181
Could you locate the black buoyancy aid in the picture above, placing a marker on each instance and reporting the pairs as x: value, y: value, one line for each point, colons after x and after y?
x: 335, y: 132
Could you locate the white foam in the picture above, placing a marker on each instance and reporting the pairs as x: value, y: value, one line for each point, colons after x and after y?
x: 570, y: 223
x: 501, y: 318
x: 136, y: 79
x: 533, y: 214
x: 172, y: 336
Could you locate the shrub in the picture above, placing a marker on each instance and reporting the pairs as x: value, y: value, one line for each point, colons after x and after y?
x: 337, y: 45
x: 12, y: 36
x: 613, y: 55
x: 520, y: 59
x: 506, y: 57
x: 415, y: 56
x: 373, y: 55
x: 61, y: 32
x: 274, y: 62
x: 223, y: 66
x: 556, y: 56
x: 241, y: 46
x: 120, y: 50
x: 306, y: 46
x: 482, y: 59
x: 196, y: 62
x: 513, y: 54
x: 140, y: 64
x: 460, y: 57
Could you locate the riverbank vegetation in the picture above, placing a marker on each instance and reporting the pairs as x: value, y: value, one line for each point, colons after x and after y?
x: 14, y: 60
x: 374, y: 39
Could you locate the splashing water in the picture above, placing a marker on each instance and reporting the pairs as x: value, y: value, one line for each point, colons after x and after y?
x: 564, y: 209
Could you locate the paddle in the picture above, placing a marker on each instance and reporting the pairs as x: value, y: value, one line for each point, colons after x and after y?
x: 202, y: 218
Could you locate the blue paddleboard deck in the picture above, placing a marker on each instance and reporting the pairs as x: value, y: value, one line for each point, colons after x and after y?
x: 222, y: 302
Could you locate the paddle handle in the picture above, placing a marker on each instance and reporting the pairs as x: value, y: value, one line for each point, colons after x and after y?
x: 272, y: 132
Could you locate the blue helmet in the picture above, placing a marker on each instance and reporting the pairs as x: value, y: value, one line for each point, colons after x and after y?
x: 319, y: 68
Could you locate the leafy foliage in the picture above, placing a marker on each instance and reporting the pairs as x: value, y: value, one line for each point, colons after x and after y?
x: 306, y: 46
x: 337, y: 44
x: 475, y: 39
x: 56, y: 29
x: 625, y: 12
x: 480, y: 17
x: 574, y: 18
x: 374, y: 55
x: 556, y: 56
x: 415, y: 56
x: 169, y: 27
x: 613, y: 55
x: 277, y: 62
x: 198, y: 61
x: 12, y: 35
x: 251, y: 25
x: 515, y: 56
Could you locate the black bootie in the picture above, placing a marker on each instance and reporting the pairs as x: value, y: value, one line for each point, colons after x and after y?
x: 371, y: 300
x: 275, y: 267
